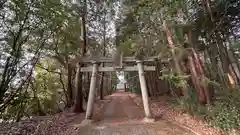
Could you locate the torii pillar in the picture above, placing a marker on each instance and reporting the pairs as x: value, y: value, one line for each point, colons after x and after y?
x: 90, y: 103
x: 148, y: 115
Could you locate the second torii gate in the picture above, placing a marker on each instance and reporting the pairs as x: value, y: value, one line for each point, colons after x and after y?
x: 139, y: 67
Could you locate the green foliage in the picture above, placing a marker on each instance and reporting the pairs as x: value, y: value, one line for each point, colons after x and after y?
x: 189, y: 104
x: 134, y: 90
x: 33, y: 31
x: 175, y: 79
x: 212, y: 33
x: 226, y: 117
x: 227, y: 112
x: 43, y: 96
x: 236, y: 45
x: 48, y: 91
x: 17, y: 109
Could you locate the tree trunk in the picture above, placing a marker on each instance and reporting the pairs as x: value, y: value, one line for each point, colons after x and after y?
x: 175, y: 61
x: 101, y: 86
x: 228, y: 75
x: 195, y: 79
x: 110, y: 84
x: 232, y: 71
x: 200, y: 75
x: 104, y: 53
x: 78, y: 107
x: 87, y: 86
x: 147, y: 77
x: 69, y: 90
x: 235, y: 60
x: 211, y: 73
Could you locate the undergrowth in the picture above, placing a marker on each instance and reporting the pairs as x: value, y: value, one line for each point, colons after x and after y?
x: 227, y: 111
x: 223, y: 113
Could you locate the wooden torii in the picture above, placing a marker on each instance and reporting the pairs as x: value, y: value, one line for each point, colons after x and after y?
x: 95, y: 61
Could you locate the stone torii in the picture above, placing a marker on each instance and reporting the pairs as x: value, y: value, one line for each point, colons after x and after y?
x: 95, y: 61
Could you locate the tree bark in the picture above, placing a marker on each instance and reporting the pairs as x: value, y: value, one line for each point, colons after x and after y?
x: 79, y: 95
x: 78, y: 107
x: 70, y: 89
x: 200, y: 75
x: 234, y: 76
x: 195, y: 79
x: 104, y: 53
x: 101, y: 86
x: 175, y: 61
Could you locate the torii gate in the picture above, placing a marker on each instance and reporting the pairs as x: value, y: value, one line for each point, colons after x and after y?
x: 95, y: 61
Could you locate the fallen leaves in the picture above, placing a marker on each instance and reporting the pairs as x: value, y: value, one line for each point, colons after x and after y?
x: 58, y: 124
x: 161, y: 109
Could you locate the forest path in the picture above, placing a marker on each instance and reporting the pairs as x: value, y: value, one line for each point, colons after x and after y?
x: 121, y: 116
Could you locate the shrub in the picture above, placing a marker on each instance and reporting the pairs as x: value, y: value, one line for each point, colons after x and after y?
x: 177, y: 80
x: 224, y: 115
x: 227, y: 112
x: 189, y: 104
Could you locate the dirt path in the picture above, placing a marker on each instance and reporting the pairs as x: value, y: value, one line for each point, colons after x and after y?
x: 121, y: 108
x: 121, y: 116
